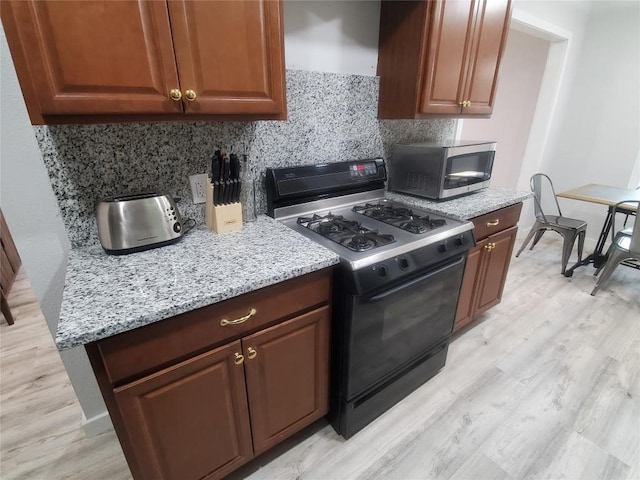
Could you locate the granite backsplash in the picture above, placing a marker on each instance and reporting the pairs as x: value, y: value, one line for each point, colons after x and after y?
x: 331, y: 117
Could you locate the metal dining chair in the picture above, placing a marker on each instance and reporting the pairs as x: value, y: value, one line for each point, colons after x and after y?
x: 624, y: 246
x: 569, y: 228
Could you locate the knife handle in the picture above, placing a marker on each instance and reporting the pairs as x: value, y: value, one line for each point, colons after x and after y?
x: 234, y: 191
x: 216, y: 193
x: 225, y: 192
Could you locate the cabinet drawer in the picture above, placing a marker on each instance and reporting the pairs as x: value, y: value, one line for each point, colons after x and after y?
x: 143, y: 350
x: 496, y: 221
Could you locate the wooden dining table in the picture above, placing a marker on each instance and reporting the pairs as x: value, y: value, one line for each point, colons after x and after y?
x: 603, y: 195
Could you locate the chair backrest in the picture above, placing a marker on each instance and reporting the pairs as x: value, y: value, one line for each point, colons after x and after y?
x: 635, y: 233
x: 544, y: 196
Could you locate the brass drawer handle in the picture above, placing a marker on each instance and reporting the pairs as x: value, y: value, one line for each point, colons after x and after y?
x: 224, y: 322
x: 251, y: 353
x: 495, y: 223
x: 238, y: 358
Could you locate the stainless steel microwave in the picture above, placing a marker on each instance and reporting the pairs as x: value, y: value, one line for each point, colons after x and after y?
x: 441, y: 170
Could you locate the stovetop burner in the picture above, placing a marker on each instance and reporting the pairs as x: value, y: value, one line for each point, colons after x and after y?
x: 348, y: 233
x: 401, y: 217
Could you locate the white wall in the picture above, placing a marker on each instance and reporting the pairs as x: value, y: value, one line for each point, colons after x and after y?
x: 599, y: 139
x: 26, y: 196
x: 33, y: 216
x: 564, y: 24
x: 332, y: 36
x: 521, y: 71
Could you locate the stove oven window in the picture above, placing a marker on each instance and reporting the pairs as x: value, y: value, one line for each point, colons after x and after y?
x: 405, y: 315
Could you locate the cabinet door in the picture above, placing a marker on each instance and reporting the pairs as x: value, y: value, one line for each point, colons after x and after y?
x: 449, y: 44
x: 466, y: 302
x: 95, y: 57
x: 190, y: 420
x: 230, y: 54
x: 495, y: 268
x: 489, y: 39
x: 287, y: 370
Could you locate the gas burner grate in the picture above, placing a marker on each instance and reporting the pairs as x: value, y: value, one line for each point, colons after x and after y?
x: 366, y: 240
x: 348, y: 233
x: 400, y: 217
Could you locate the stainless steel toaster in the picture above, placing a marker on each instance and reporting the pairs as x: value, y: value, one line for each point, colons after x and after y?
x: 132, y: 223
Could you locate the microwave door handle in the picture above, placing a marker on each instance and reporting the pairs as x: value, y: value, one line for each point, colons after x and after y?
x: 419, y: 279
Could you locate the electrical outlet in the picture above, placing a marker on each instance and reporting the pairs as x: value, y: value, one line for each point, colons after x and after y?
x: 198, y: 191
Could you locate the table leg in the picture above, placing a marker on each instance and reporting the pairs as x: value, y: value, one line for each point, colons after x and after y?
x: 597, y: 258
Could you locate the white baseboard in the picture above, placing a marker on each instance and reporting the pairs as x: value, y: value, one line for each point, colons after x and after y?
x: 96, y: 425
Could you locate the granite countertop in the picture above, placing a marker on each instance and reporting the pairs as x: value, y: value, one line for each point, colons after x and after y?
x: 105, y: 295
x: 468, y: 206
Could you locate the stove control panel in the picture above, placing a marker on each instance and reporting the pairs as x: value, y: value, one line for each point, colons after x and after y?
x: 408, y: 265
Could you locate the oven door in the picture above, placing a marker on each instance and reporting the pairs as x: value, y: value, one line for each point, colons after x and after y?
x: 390, y: 329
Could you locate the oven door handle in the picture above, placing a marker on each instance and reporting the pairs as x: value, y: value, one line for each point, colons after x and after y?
x: 419, y: 279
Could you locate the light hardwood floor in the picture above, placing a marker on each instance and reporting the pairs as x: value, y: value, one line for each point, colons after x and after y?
x: 545, y: 386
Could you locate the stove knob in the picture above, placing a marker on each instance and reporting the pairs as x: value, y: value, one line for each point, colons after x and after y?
x: 404, y: 263
x: 459, y: 241
x: 442, y: 248
x: 383, y: 271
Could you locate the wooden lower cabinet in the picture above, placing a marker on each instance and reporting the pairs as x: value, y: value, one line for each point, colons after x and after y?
x: 466, y: 306
x: 190, y: 420
x: 487, y: 265
x: 287, y: 374
x: 494, y: 267
x: 208, y: 414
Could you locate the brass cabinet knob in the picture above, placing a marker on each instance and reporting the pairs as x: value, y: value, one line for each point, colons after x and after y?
x: 463, y: 104
x: 190, y: 95
x: 251, y: 353
x: 175, y: 94
x: 238, y: 358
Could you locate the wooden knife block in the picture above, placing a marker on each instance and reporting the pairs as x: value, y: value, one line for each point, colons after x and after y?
x: 222, y: 218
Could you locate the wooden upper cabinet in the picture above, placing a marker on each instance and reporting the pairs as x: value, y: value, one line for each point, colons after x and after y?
x: 97, y: 57
x: 490, y: 36
x: 440, y: 57
x: 230, y: 54
x: 447, y: 56
x: 125, y: 57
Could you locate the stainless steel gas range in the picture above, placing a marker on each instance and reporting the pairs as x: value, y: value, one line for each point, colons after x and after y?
x: 396, y: 290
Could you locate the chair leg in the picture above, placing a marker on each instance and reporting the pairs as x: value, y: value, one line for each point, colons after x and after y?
x: 567, y: 247
x: 537, y: 238
x: 609, y: 252
x: 615, y: 257
x: 530, y: 235
x: 581, y: 236
x: 6, y: 311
